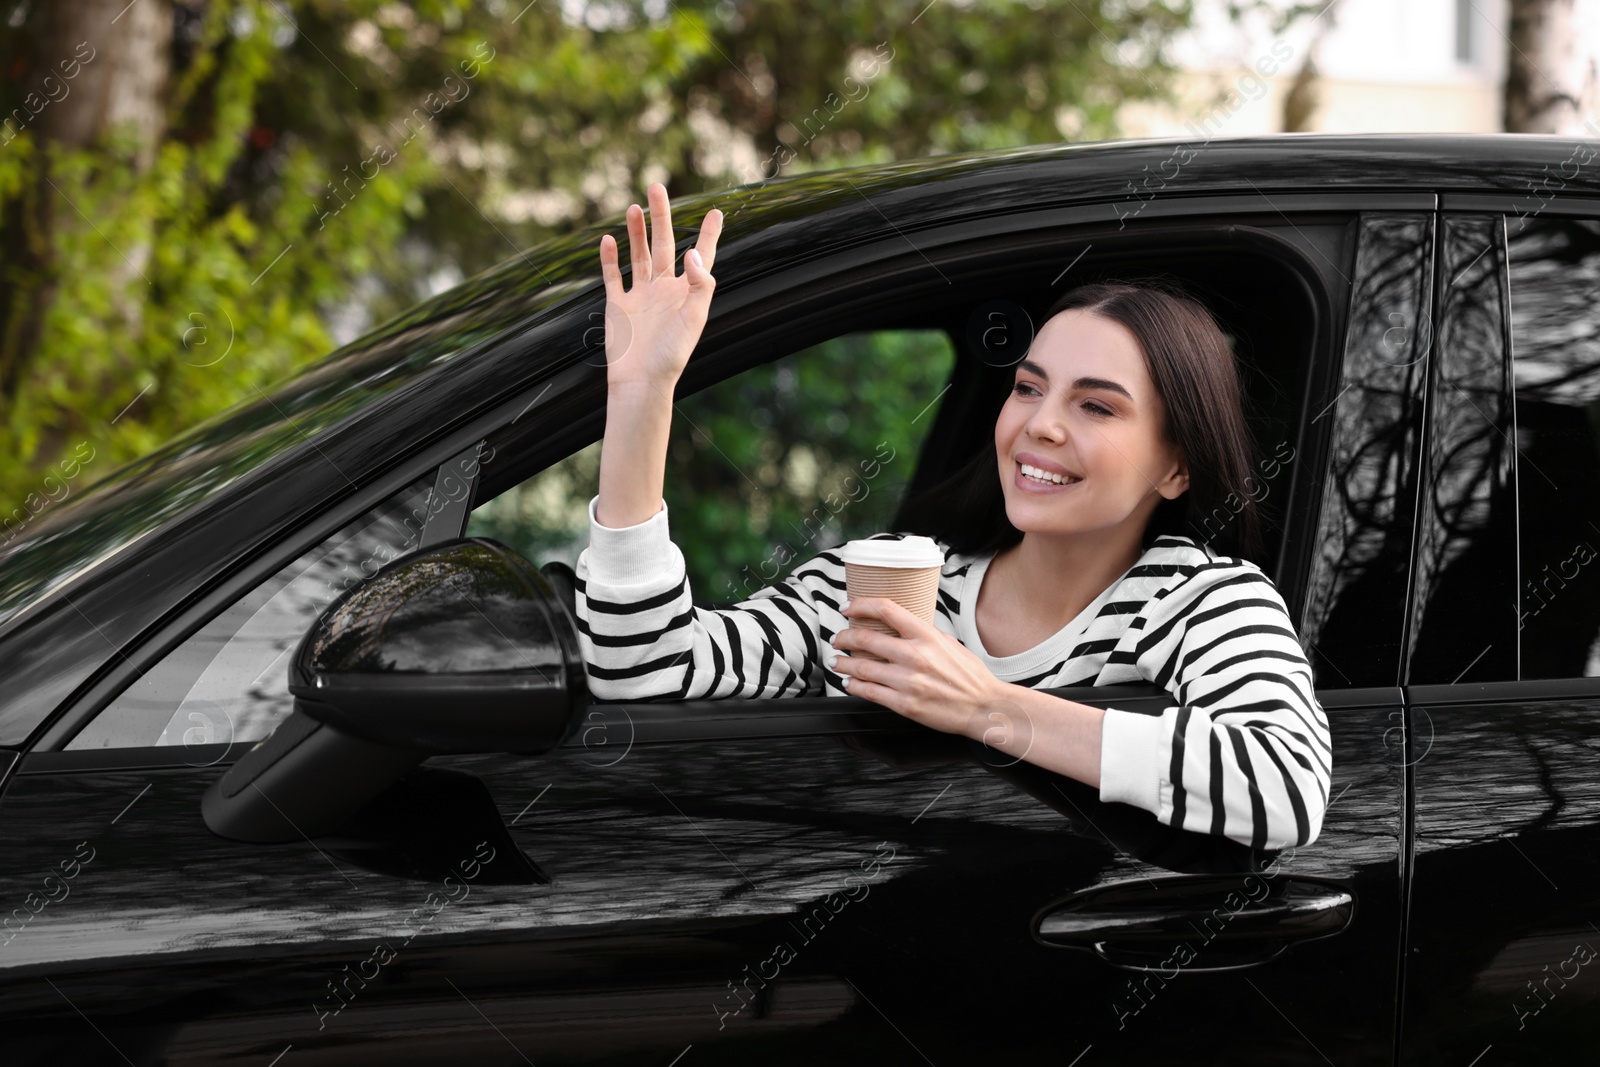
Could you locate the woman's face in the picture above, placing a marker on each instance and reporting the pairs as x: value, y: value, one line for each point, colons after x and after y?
x: 1083, y: 404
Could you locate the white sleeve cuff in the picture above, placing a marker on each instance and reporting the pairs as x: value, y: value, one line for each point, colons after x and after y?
x: 629, y: 555
x: 1133, y: 752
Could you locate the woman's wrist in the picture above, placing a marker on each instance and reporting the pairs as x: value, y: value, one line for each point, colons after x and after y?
x: 997, y: 715
x: 633, y: 453
x: 1048, y: 731
x: 642, y: 391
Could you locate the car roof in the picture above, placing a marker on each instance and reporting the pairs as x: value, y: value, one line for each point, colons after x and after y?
x: 768, y: 225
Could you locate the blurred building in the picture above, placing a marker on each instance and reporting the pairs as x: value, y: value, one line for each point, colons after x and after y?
x: 1379, y: 66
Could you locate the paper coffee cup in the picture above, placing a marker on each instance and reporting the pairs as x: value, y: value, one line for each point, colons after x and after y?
x: 905, y: 571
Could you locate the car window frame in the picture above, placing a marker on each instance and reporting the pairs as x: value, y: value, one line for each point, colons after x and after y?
x: 728, y: 357
x: 1450, y: 320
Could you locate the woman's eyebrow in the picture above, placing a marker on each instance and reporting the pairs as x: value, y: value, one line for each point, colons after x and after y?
x: 1078, y: 383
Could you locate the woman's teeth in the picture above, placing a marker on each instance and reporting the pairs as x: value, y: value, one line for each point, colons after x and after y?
x: 1049, y: 479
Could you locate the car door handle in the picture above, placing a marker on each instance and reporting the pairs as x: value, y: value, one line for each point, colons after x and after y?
x: 1227, y: 921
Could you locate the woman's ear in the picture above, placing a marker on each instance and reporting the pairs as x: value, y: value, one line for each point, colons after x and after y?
x: 1176, y: 481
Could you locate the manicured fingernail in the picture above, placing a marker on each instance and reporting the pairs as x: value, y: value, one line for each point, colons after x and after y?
x: 844, y: 607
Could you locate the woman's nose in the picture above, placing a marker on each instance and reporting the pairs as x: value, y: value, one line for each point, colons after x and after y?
x: 1046, y: 425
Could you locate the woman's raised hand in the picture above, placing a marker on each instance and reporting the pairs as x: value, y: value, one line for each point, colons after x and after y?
x: 652, y: 329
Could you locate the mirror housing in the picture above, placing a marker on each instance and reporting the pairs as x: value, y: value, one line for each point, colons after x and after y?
x: 457, y: 648
x: 462, y: 647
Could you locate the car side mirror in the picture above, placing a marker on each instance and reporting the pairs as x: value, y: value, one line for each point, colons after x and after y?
x: 460, y: 647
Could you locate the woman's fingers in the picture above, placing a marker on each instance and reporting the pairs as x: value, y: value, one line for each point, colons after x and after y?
x: 695, y: 270
x: 652, y: 246
x: 662, y: 246
x: 858, y: 639
x: 710, y: 230
x: 608, y: 267
x: 907, y: 627
x: 896, y: 615
x: 864, y: 639
x: 638, y: 247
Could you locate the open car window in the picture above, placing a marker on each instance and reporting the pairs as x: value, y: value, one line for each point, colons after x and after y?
x: 764, y: 469
x: 798, y: 449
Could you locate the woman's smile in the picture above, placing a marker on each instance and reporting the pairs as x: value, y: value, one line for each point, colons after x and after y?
x: 1030, y: 484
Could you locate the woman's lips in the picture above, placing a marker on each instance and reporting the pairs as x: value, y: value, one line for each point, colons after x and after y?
x: 1028, y: 485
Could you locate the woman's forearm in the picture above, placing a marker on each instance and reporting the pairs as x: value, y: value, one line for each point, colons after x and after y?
x: 1048, y: 731
x: 651, y: 330
x: 633, y: 455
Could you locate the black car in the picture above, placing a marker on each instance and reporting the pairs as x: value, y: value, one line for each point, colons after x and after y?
x: 264, y: 801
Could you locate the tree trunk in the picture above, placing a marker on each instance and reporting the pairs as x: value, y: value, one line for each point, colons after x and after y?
x: 1301, y: 101
x: 1551, y: 70
x: 90, y: 64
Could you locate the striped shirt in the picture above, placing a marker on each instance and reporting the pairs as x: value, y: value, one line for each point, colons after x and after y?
x: 1244, y: 752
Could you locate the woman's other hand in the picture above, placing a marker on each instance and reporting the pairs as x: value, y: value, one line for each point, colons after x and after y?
x: 652, y: 329
x: 929, y: 677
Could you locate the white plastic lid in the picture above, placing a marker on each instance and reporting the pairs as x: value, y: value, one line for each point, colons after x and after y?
x: 912, y: 551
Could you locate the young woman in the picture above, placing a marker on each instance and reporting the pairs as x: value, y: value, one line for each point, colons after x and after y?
x: 1123, y: 427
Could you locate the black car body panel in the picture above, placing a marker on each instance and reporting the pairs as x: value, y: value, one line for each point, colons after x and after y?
x: 698, y: 895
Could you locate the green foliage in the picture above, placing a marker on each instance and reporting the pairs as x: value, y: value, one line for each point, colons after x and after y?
x: 175, y: 297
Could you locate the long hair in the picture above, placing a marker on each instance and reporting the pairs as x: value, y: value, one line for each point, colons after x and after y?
x: 1193, y: 370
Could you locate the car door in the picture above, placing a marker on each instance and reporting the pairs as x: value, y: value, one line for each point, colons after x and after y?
x: 773, y: 882
x: 1504, y: 675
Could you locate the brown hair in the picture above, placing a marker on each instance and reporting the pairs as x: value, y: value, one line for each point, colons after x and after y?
x: 1192, y: 367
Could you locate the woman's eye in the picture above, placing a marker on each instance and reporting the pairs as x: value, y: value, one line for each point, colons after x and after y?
x: 1096, y: 408
x: 1021, y: 386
